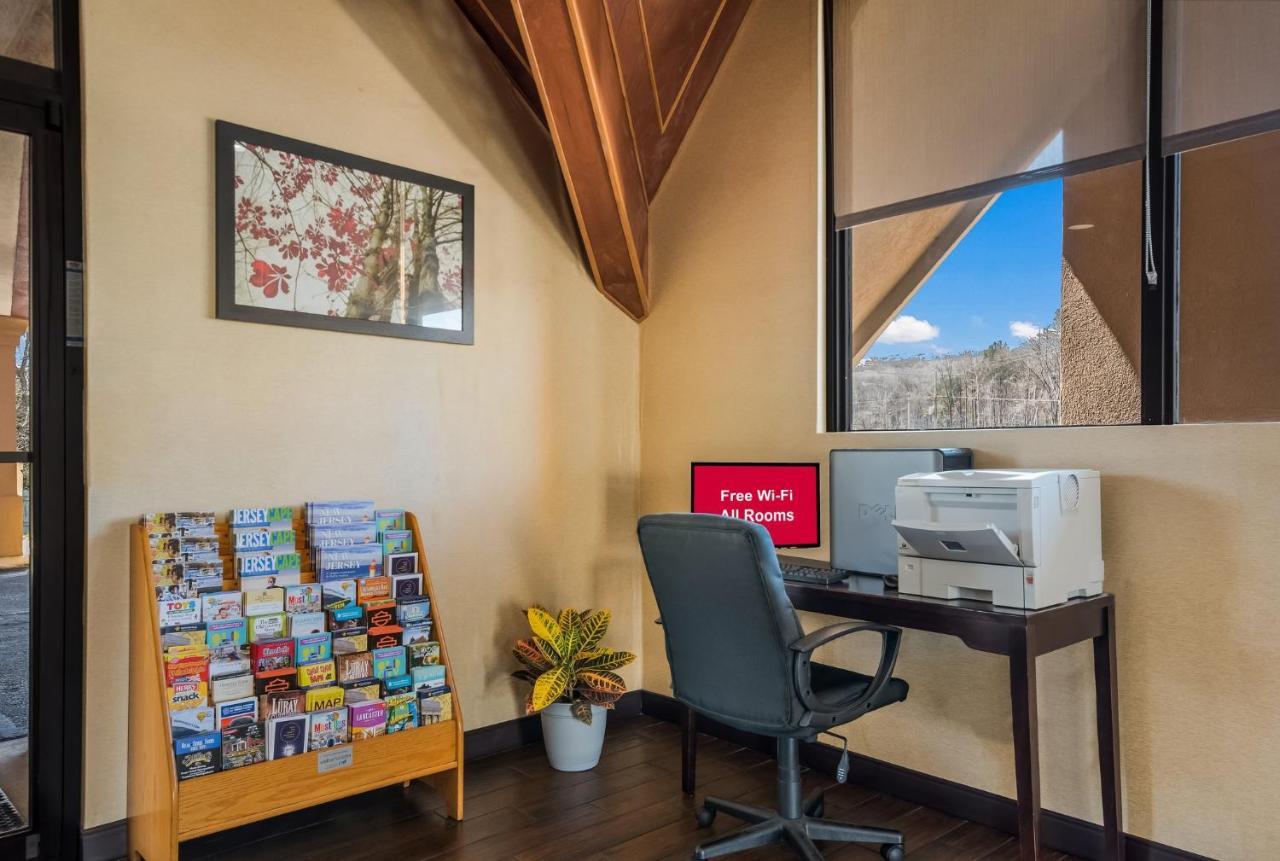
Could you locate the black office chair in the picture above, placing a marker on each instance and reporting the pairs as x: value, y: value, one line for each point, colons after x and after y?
x: 738, y: 654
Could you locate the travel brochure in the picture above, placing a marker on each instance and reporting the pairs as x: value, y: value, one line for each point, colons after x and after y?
x: 262, y: 664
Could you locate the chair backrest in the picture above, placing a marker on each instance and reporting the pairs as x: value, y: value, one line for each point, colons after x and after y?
x: 726, y: 617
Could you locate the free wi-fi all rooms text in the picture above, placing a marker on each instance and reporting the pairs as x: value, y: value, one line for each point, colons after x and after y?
x: 764, y: 495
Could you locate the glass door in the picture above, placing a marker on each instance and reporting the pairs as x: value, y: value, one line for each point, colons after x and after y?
x: 39, y: 584
x: 15, y: 482
x: 41, y: 432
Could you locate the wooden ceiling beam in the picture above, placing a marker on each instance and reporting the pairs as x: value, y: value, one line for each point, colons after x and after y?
x: 668, y: 52
x: 495, y: 21
x: 618, y: 82
x: 584, y: 106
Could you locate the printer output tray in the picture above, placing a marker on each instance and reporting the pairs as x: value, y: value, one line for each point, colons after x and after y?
x: 983, y: 543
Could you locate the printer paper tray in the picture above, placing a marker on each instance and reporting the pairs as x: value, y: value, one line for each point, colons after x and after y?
x: 962, y: 542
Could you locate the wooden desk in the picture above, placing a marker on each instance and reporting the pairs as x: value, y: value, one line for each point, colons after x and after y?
x: 1022, y: 635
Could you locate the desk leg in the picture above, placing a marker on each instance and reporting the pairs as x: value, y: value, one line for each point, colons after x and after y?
x: 1026, y: 743
x: 1108, y: 712
x: 688, y: 750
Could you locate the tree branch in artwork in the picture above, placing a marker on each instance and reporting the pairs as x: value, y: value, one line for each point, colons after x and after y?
x: 329, y: 239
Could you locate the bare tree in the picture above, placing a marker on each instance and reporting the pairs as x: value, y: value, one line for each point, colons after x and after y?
x: 999, y: 386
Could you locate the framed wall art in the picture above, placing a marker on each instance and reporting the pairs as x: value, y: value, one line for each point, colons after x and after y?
x: 311, y: 236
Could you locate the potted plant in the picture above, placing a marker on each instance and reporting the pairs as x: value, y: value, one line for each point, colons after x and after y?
x: 574, y: 683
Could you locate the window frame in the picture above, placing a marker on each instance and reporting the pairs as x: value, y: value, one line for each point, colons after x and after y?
x: 1158, y: 373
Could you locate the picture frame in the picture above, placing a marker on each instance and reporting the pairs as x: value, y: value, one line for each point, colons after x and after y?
x: 319, y: 238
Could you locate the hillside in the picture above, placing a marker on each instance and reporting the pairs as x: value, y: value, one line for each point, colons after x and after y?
x: 1000, y: 386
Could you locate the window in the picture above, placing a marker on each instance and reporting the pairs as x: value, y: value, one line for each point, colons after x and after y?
x: 27, y: 31
x: 1012, y: 309
x: 1221, y: 111
x: 988, y: 212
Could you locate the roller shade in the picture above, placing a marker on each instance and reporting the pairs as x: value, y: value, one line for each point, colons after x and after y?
x: 1221, y: 66
x: 932, y: 96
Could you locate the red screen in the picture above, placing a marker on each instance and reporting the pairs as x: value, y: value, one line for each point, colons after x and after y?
x: 781, y: 497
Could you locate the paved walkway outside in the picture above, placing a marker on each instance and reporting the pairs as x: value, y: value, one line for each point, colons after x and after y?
x: 15, y: 646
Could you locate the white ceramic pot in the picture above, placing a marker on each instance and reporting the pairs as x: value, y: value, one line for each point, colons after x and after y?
x: 571, y: 744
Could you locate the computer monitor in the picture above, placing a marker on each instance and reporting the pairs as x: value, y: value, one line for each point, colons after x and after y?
x: 781, y: 497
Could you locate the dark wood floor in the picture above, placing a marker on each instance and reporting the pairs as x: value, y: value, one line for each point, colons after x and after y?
x: 629, y: 807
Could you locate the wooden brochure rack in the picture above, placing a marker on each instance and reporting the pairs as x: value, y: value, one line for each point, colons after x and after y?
x: 164, y: 811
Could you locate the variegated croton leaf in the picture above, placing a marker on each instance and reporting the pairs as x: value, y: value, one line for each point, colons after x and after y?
x: 593, y: 627
x: 604, y: 659
x: 565, y: 662
x: 550, y: 687
x: 531, y: 656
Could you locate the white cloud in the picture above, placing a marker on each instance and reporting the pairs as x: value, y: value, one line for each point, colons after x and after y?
x: 976, y: 321
x: 908, y: 330
x: 940, y: 351
x: 1022, y: 330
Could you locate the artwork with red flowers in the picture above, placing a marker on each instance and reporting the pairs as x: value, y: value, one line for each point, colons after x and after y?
x: 314, y: 237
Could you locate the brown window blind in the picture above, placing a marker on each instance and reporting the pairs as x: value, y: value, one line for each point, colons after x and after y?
x: 1220, y: 67
x: 933, y: 96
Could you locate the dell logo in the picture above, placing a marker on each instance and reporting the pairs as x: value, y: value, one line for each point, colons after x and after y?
x: 882, y: 512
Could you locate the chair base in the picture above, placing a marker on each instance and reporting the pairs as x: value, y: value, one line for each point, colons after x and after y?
x: 766, y: 827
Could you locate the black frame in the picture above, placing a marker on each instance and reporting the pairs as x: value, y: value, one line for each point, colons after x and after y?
x: 839, y: 256
x: 44, y: 104
x: 817, y: 484
x: 1159, y: 312
x: 226, y: 135
x: 1159, y: 328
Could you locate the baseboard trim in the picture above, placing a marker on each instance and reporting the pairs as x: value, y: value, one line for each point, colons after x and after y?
x: 105, y: 842
x: 501, y: 737
x: 1058, y: 831
x: 111, y: 841
x: 517, y: 732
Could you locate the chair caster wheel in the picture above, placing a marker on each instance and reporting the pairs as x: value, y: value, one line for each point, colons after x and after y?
x: 705, y: 816
x: 892, y: 852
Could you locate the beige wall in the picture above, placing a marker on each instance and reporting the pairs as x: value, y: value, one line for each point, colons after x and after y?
x: 519, y: 454
x: 729, y: 370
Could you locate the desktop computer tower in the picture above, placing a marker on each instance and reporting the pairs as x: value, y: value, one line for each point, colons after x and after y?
x: 863, y: 482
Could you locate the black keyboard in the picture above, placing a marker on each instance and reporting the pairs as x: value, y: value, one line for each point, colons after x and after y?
x: 812, y: 573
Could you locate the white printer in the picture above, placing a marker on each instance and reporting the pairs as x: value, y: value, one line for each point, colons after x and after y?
x: 1015, y: 537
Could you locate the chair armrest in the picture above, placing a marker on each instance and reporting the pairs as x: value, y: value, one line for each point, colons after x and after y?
x: 890, y: 642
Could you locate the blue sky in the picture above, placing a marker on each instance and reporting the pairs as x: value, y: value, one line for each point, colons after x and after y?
x: 1006, y: 273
